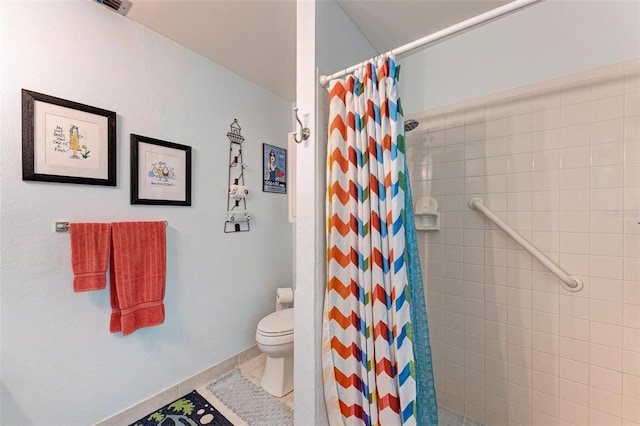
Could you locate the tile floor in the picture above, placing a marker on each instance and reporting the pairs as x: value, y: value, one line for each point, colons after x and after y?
x: 254, y: 368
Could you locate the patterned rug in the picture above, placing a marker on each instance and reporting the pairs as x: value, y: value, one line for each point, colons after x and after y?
x: 190, y: 410
x: 250, y: 402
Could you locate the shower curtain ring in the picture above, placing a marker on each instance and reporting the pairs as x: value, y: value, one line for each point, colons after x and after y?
x: 304, y: 131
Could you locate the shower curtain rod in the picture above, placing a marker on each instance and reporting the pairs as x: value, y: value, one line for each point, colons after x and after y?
x: 439, y: 35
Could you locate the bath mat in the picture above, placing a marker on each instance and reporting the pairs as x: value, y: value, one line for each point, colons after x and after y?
x: 190, y: 410
x: 250, y: 402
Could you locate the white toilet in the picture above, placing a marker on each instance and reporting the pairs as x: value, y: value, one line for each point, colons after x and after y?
x: 274, y: 337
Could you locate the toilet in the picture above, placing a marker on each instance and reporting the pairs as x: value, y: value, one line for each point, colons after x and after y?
x: 274, y: 336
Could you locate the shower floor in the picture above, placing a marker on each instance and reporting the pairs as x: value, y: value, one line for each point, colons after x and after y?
x: 447, y: 417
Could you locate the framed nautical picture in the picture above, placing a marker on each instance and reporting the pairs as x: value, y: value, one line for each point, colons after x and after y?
x: 160, y: 172
x: 68, y: 142
x: 274, y: 160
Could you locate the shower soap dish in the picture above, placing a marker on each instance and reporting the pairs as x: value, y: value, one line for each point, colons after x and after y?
x: 426, y: 214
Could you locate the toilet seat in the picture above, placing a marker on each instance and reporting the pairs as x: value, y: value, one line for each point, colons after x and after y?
x: 278, y: 323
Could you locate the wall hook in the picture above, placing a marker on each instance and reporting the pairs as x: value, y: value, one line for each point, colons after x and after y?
x: 304, y: 131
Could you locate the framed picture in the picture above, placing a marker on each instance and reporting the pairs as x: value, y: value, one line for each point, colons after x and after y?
x: 274, y: 159
x: 64, y: 141
x: 160, y: 172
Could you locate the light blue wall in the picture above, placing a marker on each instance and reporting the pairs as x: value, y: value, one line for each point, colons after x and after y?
x: 59, y: 363
x: 549, y: 39
x: 339, y: 43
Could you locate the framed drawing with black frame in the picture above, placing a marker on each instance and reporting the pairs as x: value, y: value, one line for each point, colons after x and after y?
x: 160, y: 172
x: 274, y: 160
x: 68, y: 142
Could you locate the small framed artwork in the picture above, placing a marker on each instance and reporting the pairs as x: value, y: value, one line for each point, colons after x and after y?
x: 160, y: 172
x: 68, y: 142
x: 274, y: 159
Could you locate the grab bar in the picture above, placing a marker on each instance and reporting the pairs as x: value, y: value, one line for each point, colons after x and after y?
x: 569, y: 282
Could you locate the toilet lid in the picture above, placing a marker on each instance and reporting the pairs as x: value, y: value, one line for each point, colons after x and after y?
x: 279, y: 322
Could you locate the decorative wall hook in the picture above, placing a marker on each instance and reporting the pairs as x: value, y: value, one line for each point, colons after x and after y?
x: 304, y: 131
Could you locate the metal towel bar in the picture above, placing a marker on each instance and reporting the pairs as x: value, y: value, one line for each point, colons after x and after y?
x: 64, y: 226
x: 569, y: 282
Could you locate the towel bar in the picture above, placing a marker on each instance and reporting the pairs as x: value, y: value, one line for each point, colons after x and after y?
x: 64, y: 226
x: 569, y: 282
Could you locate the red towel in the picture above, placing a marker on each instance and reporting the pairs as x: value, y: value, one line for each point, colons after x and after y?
x: 137, y: 275
x: 89, y: 255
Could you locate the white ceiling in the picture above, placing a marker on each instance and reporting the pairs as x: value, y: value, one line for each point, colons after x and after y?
x: 256, y: 38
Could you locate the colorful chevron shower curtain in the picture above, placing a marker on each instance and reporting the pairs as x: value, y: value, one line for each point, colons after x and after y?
x: 373, y: 338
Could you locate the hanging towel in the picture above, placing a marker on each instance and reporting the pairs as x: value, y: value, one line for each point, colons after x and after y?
x: 89, y: 255
x: 137, y: 275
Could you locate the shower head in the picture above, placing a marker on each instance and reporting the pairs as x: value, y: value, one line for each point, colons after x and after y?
x: 409, y: 125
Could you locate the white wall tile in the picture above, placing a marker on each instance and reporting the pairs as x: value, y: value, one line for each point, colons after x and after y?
x: 579, y: 135
x: 606, y: 267
x: 605, y: 379
x: 519, y: 414
x: 606, y: 312
x: 496, y: 184
x: 611, y: 108
x: 606, y: 88
x: 573, y: 371
x: 631, y: 362
x: 549, y: 365
x: 474, y: 132
x: 631, y: 410
x: 606, y: 244
x: 632, y: 151
x: 496, y: 146
x: 546, y: 119
x: 574, y: 221
x: 605, y: 402
x: 573, y: 349
x: 574, y: 392
x: 519, y: 143
x: 544, y: 140
x: 632, y: 127
x: 575, y: 157
x: 631, y: 315
x: 606, y: 356
x: 608, y: 131
x: 572, y: 413
x: 547, y: 180
x: 631, y: 339
x: 600, y: 418
x: 606, y: 334
x: 574, y: 114
x: 545, y: 200
x: 607, y: 154
x: 574, y: 242
x: 474, y: 150
x: 611, y: 176
x: 575, y: 179
x: 542, y: 418
x: 561, y: 164
x: 575, y: 199
x: 609, y: 221
x: 548, y: 343
x: 573, y: 94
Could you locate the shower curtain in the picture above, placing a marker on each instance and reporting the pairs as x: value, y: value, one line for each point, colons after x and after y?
x: 375, y: 347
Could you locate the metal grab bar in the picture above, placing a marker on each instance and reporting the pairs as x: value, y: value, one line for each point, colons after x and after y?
x: 569, y: 282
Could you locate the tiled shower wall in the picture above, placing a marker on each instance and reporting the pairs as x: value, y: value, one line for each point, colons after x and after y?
x: 560, y: 162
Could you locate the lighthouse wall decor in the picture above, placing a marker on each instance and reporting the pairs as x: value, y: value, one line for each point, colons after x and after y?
x: 238, y: 217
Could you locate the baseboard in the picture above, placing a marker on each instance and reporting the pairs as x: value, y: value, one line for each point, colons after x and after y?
x: 135, y: 412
